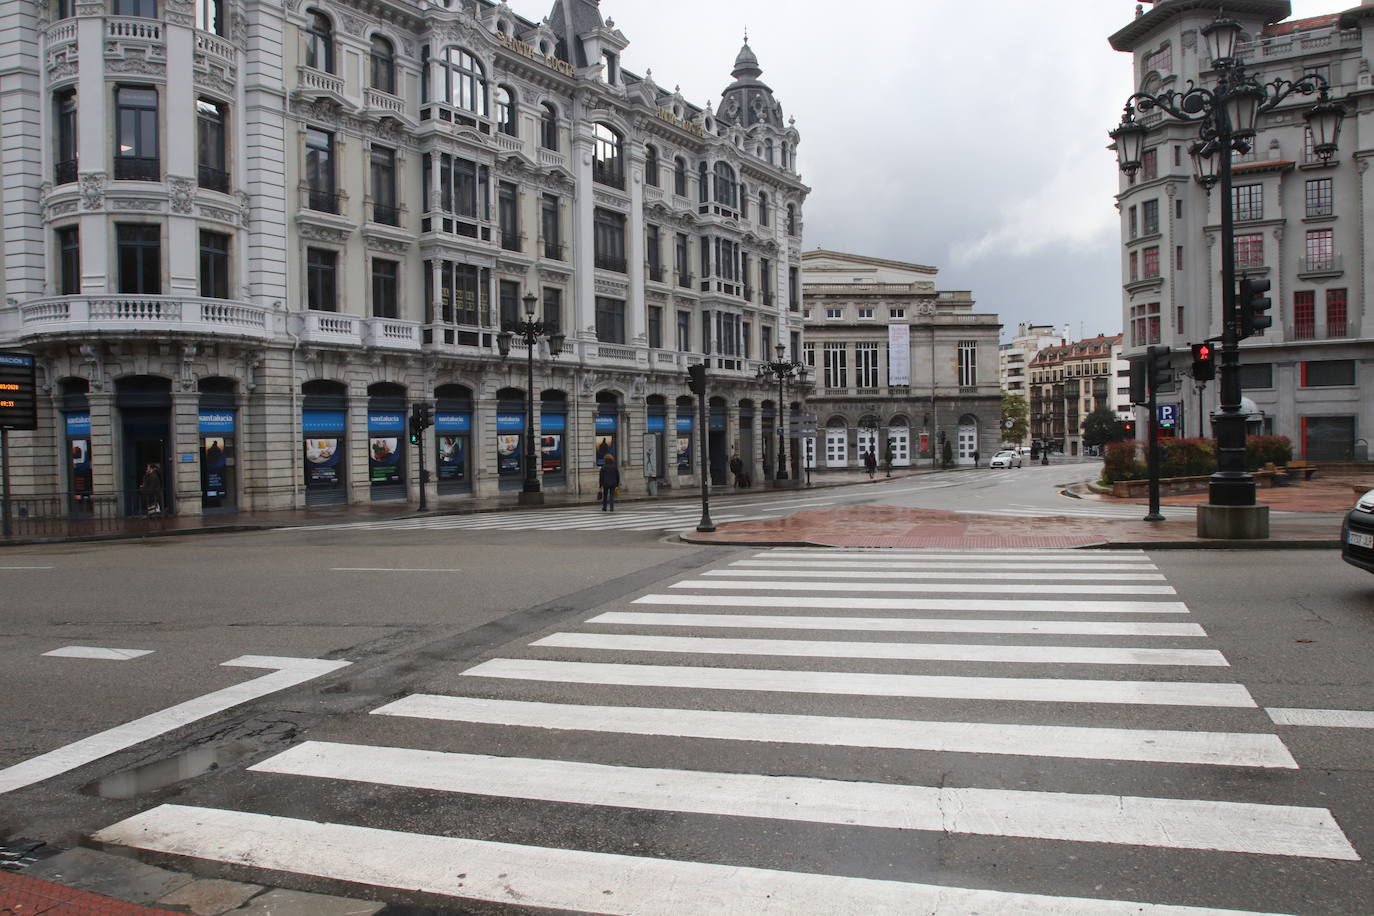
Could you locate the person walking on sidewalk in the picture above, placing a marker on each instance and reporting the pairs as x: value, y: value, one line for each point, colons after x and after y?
x: 870, y: 463
x: 609, y: 482
x: 150, y: 491
x: 737, y: 469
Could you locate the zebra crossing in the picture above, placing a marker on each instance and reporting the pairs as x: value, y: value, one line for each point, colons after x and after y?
x: 700, y: 748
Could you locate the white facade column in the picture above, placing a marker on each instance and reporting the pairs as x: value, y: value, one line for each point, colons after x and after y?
x: 21, y: 158
x: 636, y: 309
x: 582, y: 256
x: 179, y: 161
x: 262, y: 174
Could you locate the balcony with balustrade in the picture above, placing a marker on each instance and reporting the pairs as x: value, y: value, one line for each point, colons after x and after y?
x: 84, y: 316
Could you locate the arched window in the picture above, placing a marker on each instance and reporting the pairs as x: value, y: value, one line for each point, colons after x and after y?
x: 768, y: 150
x: 465, y: 82
x: 727, y: 192
x: 548, y: 127
x: 703, y: 182
x: 505, y: 110
x: 763, y: 208
x: 651, y: 165
x: 319, y: 42
x: 791, y: 219
x: 608, y: 160
x: 784, y: 155
x: 680, y: 176
x: 383, y: 65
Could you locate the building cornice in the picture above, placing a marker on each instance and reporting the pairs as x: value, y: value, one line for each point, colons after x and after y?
x: 1147, y: 24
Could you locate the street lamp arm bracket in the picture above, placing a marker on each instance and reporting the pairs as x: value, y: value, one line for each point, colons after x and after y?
x: 1193, y: 103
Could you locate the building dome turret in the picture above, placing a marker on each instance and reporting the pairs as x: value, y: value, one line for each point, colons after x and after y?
x: 748, y: 100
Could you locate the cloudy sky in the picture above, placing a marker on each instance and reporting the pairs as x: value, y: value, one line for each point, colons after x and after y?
x: 969, y: 135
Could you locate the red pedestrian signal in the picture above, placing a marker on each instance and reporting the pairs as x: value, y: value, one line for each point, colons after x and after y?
x: 1204, y: 362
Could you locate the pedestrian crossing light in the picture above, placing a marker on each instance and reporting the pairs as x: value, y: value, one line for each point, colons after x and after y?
x: 421, y: 419
x: 1253, y: 305
x: 1204, y: 362
x: 696, y: 378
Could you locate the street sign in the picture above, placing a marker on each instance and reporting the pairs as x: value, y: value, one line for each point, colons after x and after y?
x: 18, y: 392
x: 1167, y: 415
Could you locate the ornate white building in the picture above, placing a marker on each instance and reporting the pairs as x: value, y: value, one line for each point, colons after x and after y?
x: 1299, y: 222
x: 242, y: 239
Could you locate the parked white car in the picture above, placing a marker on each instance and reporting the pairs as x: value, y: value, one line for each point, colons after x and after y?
x: 1005, y: 459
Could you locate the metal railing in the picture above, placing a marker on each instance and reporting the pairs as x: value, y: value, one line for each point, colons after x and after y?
x: 74, y: 515
x: 386, y: 215
x: 212, y: 178
x: 321, y: 200
x: 64, y: 172
x: 138, y: 168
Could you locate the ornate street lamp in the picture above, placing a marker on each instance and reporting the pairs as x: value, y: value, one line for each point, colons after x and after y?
x: 1226, y: 116
x: 530, y: 331
x: 782, y: 369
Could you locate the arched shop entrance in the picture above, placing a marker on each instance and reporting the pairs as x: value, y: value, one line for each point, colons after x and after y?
x: 217, y: 428
x: 453, y: 439
x: 145, y: 410
x: 386, y: 441
x: 324, y: 427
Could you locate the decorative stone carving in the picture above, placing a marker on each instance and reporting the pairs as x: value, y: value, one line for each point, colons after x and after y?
x: 62, y: 208
x: 180, y: 12
x: 91, y: 355
x: 245, y: 208
x: 638, y: 388
x: 613, y: 287
x: 93, y: 190
x: 214, y: 78
x: 238, y: 28
x: 317, y: 233
x: 510, y: 267
x: 224, y: 216
x: 251, y: 360
x: 187, y: 379
x: 352, y: 25
x: 386, y: 244
x: 181, y: 191
x: 135, y: 204
x: 137, y: 65
x: 552, y: 275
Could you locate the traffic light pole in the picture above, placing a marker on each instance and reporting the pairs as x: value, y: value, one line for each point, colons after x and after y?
x: 1152, y: 430
x: 424, y: 475
x: 705, y: 524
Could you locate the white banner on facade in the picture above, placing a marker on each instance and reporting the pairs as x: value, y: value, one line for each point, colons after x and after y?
x: 899, y: 354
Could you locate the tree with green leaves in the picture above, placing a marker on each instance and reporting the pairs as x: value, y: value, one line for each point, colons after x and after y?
x: 1015, y: 418
x: 1101, y: 426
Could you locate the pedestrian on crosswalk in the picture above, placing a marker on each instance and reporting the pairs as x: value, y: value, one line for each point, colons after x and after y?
x: 609, y: 482
x: 870, y: 463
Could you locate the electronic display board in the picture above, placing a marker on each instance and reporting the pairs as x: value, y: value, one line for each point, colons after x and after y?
x: 18, y: 394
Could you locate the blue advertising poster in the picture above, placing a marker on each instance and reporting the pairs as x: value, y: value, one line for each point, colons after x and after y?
x: 324, y: 439
x: 656, y: 423
x: 384, y: 430
x: 510, y: 428
x: 684, y: 445
x: 451, y: 432
x: 605, y: 437
x: 79, y: 445
x: 552, y: 429
x: 215, y: 426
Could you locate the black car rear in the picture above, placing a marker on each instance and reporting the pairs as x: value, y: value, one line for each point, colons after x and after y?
x: 1357, y: 534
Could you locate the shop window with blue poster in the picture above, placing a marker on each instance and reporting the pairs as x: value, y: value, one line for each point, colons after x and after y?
x: 79, y: 450
x: 324, y: 455
x: 656, y: 427
x: 684, y: 443
x: 385, y: 453
x: 452, y: 438
x: 553, y: 429
x: 510, y: 431
x: 216, y: 458
x: 605, y: 438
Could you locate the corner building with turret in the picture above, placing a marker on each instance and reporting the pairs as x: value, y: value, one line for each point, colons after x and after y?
x: 243, y: 239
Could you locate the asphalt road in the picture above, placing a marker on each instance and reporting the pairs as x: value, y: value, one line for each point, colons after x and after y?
x: 628, y: 749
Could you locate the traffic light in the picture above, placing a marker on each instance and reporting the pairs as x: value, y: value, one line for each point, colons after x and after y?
x: 415, y: 429
x: 1128, y: 428
x: 1252, y: 304
x: 1204, y: 362
x: 1161, y: 374
x: 696, y: 378
x: 421, y: 419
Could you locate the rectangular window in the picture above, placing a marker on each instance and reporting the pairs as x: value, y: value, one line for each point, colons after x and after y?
x: 1321, y: 249
x: 1304, y: 315
x: 146, y: 9
x: 727, y: 334
x: 656, y: 327
x: 836, y: 370
x: 383, y: 166
x: 212, y: 167
x: 866, y: 365
x: 766, y: 280
x: 1145, y: 325
x: 793, y: 289
x: 653, y: 252
x: 610, y: 320
x: 765, y: 342
x: 321, y: 280
x: 865, y: 314
x: 1133, y: 259
x: 682, y: 261
x: 1328, y: 373
x: 385, y: 288
x: 1248, y: 201
x: 462, y: 292
x: 64, y: 145
x: 809, y: 356
x: 1178, y: 257
x: 684, y: 332
x: 1256, y: 375
x: 896, y: 313
x: 68, y: 261
x: 508, y: 215
x: 136, y: 134
x: 319, y: 170
x: 608, y: 240
x: 1336, y: 313
x: 1149, y: 164
x: 553, y: 310
x: 1149, y: 217
x: 549, y: 227
x: 1133, y: 223
x: 1319, y: 197
x: 214, y: 265
x: 140, y: 259
x: 1249, y: 251
x: 508, y: 300
x: 1178, y: 208
x: 1149, y: 262
x: 832, y: 314
x: 968, y: 363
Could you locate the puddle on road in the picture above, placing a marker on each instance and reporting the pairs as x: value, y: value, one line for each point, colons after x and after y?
x: 162, y: 773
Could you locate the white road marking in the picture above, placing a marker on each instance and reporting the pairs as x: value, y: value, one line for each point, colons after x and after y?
x: 568, y: 879
x: 1169, y: 823
x: 97, y: 652
x: 289, y: 673
x: 963, y: 575
x: 972, y: 605
x: 998, y: 555
x: 900, y: 624
x: 1322, y: 718
x: 906, y: 651
x: 937, y: 564
x: 966, y: 587
x: 1045, y: 690
x: 391, y: 569
x: 28, y: 567
x: 1151, y: 745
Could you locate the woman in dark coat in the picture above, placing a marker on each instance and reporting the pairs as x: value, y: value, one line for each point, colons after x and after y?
x: 609, y: 481
x: 150, y: 489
